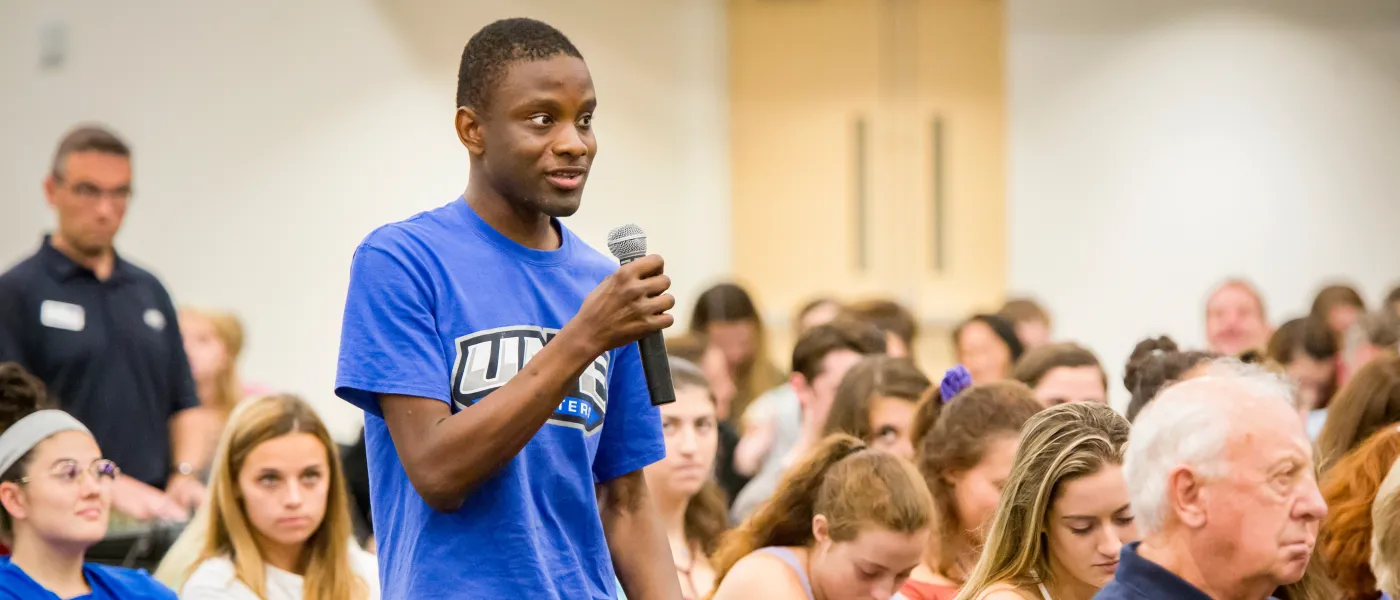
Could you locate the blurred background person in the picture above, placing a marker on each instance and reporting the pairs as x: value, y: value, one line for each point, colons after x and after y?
x: 1385, y: 539
x: 214, y: 342
x: 1236, y: 320
x: 1366, y: 404
x: 820, y: 360
x: 987, y: 345
x: 110, y: 350
x: 875, y: 403
x: 966, y: 460
x: 682, y: 485
x: 737, y: 362
x: 278, y: 524
x: 772, y: 422
x: 1062, y: 373
x: 1307, y: 351
x: 1350, y: 488
x: 55, y: 499
x: 1221, y: 477
x: 1339, y: 306
x: 1031, y: 321
x: 817, y: 311
x: 899, y: 325
x: 847, y: 522
x: 1064, y: 514
x: 1375, y: 334
x: 1154, y: 363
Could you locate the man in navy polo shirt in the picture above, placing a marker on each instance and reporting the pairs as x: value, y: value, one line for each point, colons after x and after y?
x: 1220, y: 472
x: 507, y: 419
x: 102, y: 332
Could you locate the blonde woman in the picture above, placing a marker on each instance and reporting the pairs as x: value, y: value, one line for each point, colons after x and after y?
x: 213, y: 342
x: 277, y: 525
x: 1064, y: 513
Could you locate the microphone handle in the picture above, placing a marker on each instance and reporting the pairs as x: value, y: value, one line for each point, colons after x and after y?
x: 657, y: 368
x: 656, y: 365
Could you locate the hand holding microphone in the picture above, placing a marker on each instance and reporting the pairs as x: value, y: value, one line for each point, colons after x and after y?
x: 630, y: 306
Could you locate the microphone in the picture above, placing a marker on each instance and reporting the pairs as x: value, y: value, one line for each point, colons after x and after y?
x: 629, y: 243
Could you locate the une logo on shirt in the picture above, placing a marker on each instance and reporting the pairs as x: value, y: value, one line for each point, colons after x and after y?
x: 486, y: 360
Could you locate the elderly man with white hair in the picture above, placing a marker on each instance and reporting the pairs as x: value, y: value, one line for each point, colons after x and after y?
x: 1221, y: 478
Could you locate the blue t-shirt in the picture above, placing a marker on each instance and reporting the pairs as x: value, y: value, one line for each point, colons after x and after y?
x: 443, y: 306
x: 112, y: 583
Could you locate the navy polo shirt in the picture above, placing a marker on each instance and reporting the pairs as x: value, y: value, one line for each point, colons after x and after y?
x: 1140, y: 579
x: 109, y: 351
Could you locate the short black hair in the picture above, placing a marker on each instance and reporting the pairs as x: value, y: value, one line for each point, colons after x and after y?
x: 87, y: 138
x: 492, y: 49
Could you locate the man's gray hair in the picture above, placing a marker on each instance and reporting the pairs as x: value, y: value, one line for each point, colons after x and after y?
x: 1189, y: 424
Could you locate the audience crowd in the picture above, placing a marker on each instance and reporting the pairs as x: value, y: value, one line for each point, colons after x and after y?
x: 1264, y: 465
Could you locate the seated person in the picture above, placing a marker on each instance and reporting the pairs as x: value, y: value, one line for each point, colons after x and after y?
x: 1031, y: 320
x: 1064, y: 515
x: 876, y: 402
x: 1385, y: 539
x: 965, y: 461
x: 1307, y: 352
x: 900, y: 327
x: 847, y: 522
x: 1155, y: 363
x: 682, y: 485
x: 277, y: 526
x: 55, y: 499
x: 1063, y: 373
x: 1350, y: 489
x: 988, y: 347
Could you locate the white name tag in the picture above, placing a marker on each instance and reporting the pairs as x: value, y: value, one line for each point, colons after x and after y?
x: 62, y: 315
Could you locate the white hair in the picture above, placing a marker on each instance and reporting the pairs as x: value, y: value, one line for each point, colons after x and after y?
x: 1189, y: 424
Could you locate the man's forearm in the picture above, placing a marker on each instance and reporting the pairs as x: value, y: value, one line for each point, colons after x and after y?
x: 641, y: 554
x: 448, y: 457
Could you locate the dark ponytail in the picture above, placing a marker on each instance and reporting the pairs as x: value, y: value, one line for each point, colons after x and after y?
x: 1154, y: 363
x: 21, y: 395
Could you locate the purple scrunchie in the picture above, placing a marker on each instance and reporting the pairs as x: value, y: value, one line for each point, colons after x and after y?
x: 955, y: 380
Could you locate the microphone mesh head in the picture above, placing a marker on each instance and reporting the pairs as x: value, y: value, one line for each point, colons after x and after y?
x: 627, y: 242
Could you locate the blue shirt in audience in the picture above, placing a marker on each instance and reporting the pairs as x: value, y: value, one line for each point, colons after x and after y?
x: 442, y: 306
x: 112, y: 583
x: 1140, y: 579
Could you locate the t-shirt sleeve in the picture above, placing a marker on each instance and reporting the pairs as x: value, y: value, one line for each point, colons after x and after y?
x: 388, y: 338
x: 13, y: 317
x: 119, y: 583
x: 631, y: 437
x: 181, y: 379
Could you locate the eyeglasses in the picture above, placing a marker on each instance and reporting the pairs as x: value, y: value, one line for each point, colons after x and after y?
x: 88, y: 192
x: 67, y: 471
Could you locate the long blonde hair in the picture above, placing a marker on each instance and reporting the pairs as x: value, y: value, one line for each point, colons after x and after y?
x: 851, y: 485
x: 1058, y: 445
x: 227, y: 389
x: 224, y: 524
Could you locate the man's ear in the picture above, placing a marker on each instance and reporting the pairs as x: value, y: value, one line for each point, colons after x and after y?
x: 10, y: 499
x: 468, y: 124
x: 50, y: 188
x: 1187, y: 496
x: 802, y: 388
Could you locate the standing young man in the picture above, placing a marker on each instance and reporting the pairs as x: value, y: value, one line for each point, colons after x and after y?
x: 507, y: 418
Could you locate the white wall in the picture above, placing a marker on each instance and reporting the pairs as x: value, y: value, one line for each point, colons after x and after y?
x: 1158, y: 146
x: 271, y: 136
